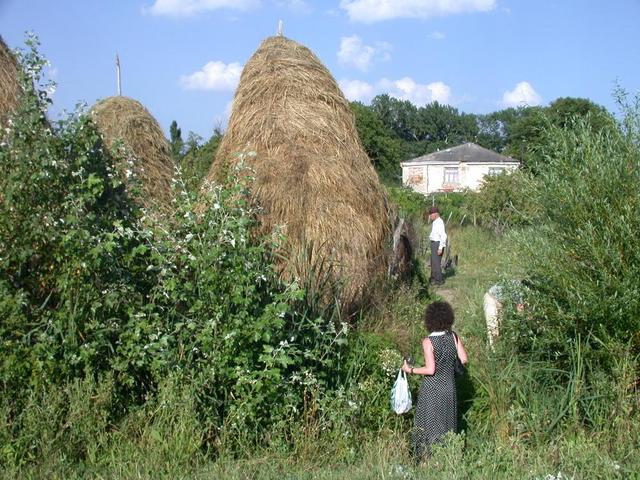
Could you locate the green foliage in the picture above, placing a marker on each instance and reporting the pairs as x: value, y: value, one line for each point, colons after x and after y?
x: 197, y: 159
x: 495, y: 130
x: 176, y: 142
x: 442, y: 126
x: 528, y: 134
x: 583, y: 260
x: 581, y: 263
x: 503, y: 202
x: 410, y: 203
x: 424, y: 129
x: 66, y: 255
x: 453, y: 205
x: 378, y: 140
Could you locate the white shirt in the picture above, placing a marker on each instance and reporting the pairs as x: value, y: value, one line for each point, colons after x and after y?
x: 437, y: 232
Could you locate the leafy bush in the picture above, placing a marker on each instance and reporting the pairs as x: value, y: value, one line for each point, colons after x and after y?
x: 196, y: 161
x: 410, y: 203
x: 503, y: 202
x: 454, y: 205
x: 581, y: 264
x: 583, y: 260
x: 414, y: 205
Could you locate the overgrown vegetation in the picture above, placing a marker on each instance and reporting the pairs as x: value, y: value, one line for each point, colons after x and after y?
x: 582, y: 260
x: 133, y: 349
x: 99, y: 303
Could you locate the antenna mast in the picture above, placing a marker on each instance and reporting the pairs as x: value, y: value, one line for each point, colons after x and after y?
x: 118, y: 75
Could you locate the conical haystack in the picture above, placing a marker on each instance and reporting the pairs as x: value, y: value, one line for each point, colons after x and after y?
x: 313, y: 178
x: 125, y: 119
x: 9, y: 83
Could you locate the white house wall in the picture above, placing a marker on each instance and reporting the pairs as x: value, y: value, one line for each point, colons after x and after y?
x: 429, y: 178
x: 415, y: 177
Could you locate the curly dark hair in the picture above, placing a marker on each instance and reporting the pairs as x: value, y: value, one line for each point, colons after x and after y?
x: 438, y: 316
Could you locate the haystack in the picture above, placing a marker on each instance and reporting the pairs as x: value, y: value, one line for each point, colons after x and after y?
x: 313, y: 177
x: 123, y: 119
x: 9, y: 83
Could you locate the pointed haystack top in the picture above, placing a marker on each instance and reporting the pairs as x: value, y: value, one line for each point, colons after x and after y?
x: 312, y: 174
x: 125, y: 119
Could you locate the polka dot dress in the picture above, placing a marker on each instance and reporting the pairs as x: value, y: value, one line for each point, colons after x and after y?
x: 437, y: 407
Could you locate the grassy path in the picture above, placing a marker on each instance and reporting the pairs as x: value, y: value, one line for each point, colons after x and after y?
x: 481, y: 263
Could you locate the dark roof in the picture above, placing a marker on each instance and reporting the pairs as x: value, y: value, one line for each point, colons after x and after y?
x: 467, y: 152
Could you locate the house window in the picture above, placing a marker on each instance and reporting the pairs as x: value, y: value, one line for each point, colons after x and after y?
x: 451, y: 176
x: 496, y: 170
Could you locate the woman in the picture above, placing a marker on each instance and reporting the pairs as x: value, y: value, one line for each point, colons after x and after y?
x: 437, y: 408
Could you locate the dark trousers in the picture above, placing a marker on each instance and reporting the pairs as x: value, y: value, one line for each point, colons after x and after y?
x: 436, y: 268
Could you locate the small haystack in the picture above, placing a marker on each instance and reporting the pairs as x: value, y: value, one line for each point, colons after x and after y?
x: 9, y: 83
x: 313, y: 178
x: 125, y: 119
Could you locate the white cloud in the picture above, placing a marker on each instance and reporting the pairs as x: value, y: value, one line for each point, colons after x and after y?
x: 355, y: 53
x: 357, y: 91
x: 186, y: 8
x: 419, y: 94
x: 404, y: 89
x: 522, y: 95
x: 370, y: 11
x: 213, y: 76
x: 437, y: 35
x: 296, y: 6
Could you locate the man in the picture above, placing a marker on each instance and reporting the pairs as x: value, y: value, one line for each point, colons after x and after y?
x: 438, y: 240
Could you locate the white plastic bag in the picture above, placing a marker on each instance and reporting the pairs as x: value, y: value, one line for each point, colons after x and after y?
x: 400, y: 394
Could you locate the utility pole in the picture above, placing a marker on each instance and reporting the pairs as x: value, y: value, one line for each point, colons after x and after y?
x: 118, y: 75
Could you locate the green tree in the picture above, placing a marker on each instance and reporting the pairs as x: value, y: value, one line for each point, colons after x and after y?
x: 198, y: 157
x: 398, y: 115
x: 528, y: 136
x: 177, y: 145
x: 495, y: 130
x: 441, y: 126
x: 378, y: 140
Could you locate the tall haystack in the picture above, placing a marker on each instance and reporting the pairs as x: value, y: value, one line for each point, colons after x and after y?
x: 313, y: 177
x: 9, y: 83
x: 126, y: 120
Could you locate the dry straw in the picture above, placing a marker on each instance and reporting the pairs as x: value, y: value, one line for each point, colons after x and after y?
x: 313, y: 177
x: 9, y: 83
x: 122, y: 119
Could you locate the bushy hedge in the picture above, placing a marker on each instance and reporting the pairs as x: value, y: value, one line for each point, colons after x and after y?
x: 503, y: 202
x: 583, y: 257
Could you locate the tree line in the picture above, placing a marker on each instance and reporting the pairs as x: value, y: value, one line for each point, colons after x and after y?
x: 394, y: 130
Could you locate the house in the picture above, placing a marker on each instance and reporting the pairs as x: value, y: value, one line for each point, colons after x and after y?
x: 457, y: 168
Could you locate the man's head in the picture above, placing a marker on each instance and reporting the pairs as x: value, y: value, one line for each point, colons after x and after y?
x: 433, y: 213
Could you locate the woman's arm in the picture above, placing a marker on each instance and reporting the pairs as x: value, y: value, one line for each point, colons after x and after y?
x: 429, y: 361
x: 462, y: 353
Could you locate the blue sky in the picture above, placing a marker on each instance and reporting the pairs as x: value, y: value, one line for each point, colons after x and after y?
x: 182, y: 58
